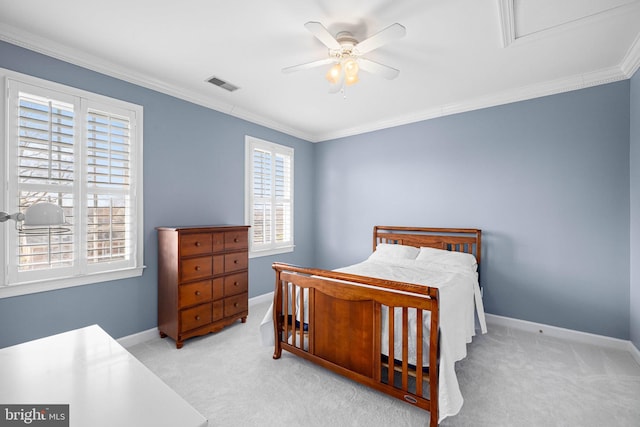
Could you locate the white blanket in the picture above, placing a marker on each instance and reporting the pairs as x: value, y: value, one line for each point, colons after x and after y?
x: 460, y: 299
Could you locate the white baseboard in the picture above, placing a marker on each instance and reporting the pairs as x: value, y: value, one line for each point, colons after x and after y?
x: 554, y: 331
x: 634, y: 352
x: 137, y: 338
x: 149, y: 334
x: 261, y: 298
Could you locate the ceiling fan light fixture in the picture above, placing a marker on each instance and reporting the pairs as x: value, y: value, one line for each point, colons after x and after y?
x: 333, y: 75
x: 351, y: 67
x: 345, y: 51
x: 351, y: 80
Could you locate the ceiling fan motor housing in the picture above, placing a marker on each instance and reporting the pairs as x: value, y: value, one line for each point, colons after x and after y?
x: 347, y: 45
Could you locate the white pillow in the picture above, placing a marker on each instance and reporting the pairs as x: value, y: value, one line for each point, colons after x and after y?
x: 441, y: 256
x: 387, y: 251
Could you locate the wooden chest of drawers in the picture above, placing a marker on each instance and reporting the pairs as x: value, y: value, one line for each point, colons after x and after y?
x: 203, y: 279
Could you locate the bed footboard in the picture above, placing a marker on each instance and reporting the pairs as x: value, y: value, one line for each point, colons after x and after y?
x: 337, y: 321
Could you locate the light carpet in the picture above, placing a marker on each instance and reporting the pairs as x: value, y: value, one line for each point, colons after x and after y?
x: 509, y: 378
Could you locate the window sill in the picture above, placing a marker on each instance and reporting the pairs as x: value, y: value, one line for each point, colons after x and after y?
x: 62, y: 283
x: 268, y: 252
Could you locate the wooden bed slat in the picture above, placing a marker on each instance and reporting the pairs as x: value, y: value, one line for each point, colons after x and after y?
x: 301, y: 330
x: 286, y: 311
x: 419, y: 360
x: 392, y: 343
x: 405, y: 348
x: 311, y: 326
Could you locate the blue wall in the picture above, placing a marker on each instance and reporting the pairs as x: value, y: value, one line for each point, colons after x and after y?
x: 547, y: 180
x: 635, y: 210
x: 193, y: 174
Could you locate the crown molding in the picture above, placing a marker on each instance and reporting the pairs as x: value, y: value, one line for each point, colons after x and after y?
x: 64, y: 53
x: 580, y: 81
x: 631, y: 61
x: 629, y: 65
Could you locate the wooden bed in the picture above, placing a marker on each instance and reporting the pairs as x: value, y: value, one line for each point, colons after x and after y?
x: 341, y: 329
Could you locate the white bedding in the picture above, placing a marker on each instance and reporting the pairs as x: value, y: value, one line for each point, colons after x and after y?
x: 460, y: 300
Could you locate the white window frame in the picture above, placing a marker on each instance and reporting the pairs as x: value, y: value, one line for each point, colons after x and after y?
x: 14, y: 284
x: 274, y: 247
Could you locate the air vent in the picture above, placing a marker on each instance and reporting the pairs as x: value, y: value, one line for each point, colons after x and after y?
x: 221, y: 83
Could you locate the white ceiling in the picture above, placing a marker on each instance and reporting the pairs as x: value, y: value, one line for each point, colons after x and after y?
x: 457, y: 55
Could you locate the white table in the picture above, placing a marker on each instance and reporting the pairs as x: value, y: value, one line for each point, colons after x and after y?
x: 102, y: 382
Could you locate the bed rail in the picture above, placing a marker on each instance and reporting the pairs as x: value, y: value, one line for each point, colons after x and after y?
x: 338, y: 320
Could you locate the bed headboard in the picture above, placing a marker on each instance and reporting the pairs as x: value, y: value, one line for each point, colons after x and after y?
x: 467, y: 240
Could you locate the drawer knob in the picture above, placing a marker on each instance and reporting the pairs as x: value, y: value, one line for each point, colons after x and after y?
x: 198, y: 243
x: 197, y: 293
x: 197, y: 268
x: 235, y: 261
x: 235, y: 283
x: 235, y: 304
x: 235, y: 240
x: 197, y: 317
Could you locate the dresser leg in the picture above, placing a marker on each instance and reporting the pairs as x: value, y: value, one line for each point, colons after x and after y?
x: 162, y: 334
x: 244, y: 319
x: 179, y: 344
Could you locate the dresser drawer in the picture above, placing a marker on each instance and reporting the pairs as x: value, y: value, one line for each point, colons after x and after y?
x: 195, y: 244
x: 235, y: 262
x: 194, y: 293
x: 196, y: 268
x: 236, y: 284
x: 236, y: 240
x: 192, y: 318
x: 201, y: 267
x: 236, y: 304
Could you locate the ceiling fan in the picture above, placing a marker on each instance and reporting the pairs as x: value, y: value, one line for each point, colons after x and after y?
x: 345, y: 52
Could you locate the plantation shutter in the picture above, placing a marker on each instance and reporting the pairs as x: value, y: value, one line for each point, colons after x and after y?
x: 262, y: 168
x: 108, y: 186
x: 283, y: 198
x: 270, y: 196
x: 82, y: 152
x: 46, y: 173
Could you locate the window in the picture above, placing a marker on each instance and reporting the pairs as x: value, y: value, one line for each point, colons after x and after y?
x: 83, y: 152
x: 269, y: 197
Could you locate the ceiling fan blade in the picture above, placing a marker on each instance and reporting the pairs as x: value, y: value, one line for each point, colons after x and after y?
x: 308, y: 65
x: 392, y: 32
x: 322, y: 34
x: 378, y: 69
